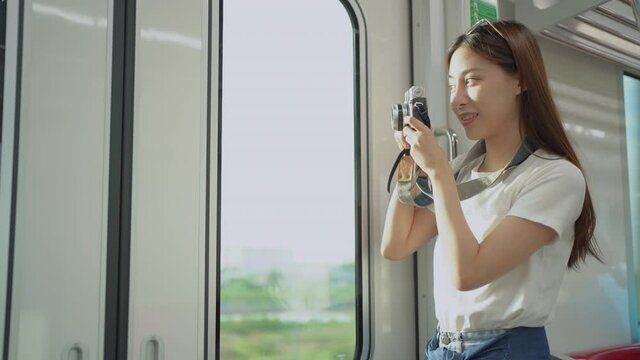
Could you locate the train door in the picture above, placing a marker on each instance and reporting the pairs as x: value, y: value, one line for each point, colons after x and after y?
x: 54, y: 178
x: 142, y: 216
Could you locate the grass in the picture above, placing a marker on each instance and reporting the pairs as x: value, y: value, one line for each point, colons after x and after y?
x: 278, y: 340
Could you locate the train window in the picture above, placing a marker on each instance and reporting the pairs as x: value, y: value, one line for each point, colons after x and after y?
x: 288, y: 196
x: 631, y: 86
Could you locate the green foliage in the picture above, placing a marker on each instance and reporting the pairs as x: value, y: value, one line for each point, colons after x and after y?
x: 276, y: 340
x: 256, y: 320
x: 342, y: 286
x: 247, y: 290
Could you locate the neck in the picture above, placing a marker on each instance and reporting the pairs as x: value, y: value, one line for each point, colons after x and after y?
x: 500, y: 150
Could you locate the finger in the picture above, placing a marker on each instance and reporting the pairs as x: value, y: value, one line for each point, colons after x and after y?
x: 410, y: 136
x: 402, y: 144
x: 415, y: 123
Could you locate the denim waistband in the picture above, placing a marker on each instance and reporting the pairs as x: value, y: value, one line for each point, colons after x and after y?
x: 447, y: 337
x: 518, y: 343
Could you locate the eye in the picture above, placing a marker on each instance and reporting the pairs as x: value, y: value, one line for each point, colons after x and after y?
x: 452, y: 87
x: 470, y: 81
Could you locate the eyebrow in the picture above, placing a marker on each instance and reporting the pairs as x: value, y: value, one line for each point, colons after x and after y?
x: 466, y: 72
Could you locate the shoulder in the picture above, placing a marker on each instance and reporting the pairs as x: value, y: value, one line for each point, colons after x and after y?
x: 544, y: 163
x: 545, y: 168
x: 549, y: 190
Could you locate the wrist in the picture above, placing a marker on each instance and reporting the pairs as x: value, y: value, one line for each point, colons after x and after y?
x: 438, y: 173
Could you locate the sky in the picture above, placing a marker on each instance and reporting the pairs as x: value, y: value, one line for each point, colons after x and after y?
x: 287, y: 130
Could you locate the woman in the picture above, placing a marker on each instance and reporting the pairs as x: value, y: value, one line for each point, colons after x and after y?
x: 501, y: 255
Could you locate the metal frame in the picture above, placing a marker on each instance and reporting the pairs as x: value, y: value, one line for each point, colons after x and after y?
x: 565, y: 34
x: 635, y: 6
x: 207, y: 208
x: 631, y: 277
x: 212, y: 262
x: 364, y: 283
x: 583, y: 44
x: 593, y: 39
x: 120, y: 181
x: 613, y: 16
x: 607, y: 29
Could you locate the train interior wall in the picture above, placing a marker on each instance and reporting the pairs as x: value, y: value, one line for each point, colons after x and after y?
x: 64, y: 169
x: 593, y: 307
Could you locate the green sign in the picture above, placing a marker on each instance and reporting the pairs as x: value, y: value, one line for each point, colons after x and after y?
x: 483, y: 9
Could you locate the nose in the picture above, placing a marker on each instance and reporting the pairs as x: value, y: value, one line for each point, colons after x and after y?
x: 458, y: 97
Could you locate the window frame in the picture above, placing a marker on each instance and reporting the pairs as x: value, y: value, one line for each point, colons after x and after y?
x: 363, y: 299
x: 631, y: 243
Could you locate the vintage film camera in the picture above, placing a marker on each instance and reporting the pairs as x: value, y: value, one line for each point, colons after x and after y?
x: 415, y: 104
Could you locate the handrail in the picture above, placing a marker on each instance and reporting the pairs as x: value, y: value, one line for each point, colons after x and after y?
x: 452, y: 139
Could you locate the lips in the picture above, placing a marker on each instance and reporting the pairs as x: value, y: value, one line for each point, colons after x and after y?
x: 467, y: 118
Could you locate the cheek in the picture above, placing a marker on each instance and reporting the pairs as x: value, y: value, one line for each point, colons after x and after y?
x: 482, y: 98
x: 492, y: 100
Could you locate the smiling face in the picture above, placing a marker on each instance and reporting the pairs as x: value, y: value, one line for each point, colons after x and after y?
x: 483, y: 96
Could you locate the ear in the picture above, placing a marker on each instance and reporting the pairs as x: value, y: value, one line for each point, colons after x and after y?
x: 519, y: 89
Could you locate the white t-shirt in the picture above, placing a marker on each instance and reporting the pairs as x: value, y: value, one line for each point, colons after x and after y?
x: 549, y: 192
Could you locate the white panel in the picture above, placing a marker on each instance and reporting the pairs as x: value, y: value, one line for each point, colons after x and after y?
x: 439, y: 23
x: 595, y: 299
x: 429, y: 70
x: 392, y: 312
x: 58, y: 279
x: 169, y: 173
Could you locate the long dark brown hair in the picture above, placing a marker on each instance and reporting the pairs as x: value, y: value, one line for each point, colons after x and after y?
x: 514, y: 48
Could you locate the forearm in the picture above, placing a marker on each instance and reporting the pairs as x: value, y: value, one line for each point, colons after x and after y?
x: 406, y: 229
x: 455, y: 234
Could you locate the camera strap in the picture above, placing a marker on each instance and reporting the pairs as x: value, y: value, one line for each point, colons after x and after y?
x: 409, y: 176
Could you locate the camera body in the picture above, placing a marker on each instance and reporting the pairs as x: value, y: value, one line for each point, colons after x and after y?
x: 415, y: 104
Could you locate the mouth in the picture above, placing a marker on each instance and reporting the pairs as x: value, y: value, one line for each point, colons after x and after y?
x: 467, y: 118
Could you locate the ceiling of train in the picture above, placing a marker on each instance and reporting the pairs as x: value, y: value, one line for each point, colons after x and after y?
x: 610, y: 29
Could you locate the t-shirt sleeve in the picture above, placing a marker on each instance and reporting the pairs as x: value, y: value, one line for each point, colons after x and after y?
x: 552, y: 196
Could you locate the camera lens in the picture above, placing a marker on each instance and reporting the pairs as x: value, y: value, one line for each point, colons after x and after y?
x: 397, y: 117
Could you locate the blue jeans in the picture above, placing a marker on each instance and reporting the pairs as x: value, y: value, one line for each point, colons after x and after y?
x: 521, y: 343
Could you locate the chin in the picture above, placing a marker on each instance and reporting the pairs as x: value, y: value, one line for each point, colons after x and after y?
x: 472, y: 135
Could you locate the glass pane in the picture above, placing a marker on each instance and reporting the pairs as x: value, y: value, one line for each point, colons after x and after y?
x: 288, y: 221
x: 167, y: 196
x: 58, y: 278
x: 632, y: 120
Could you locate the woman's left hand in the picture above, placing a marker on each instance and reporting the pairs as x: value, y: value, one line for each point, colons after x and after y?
x: 425, y: 150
